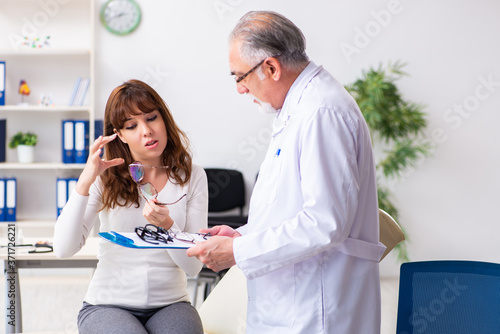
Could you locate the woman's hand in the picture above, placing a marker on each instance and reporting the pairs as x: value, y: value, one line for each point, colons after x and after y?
x: 95, y: 166
x: 158, y: 215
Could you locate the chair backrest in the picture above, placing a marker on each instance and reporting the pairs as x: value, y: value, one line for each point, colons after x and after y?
x: 390, y: 232
x: 439, y: 297
x: 226, y: 190
x: 225, y: 309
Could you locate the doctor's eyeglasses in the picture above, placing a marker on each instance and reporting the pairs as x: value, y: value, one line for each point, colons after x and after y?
x: 148, y: 191
x: 242, y: 77
x: 155, y: 234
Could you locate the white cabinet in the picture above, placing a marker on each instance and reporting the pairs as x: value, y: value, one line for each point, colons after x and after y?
x: 52, y: 70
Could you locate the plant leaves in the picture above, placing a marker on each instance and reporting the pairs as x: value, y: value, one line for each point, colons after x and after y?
x: 394, y: 121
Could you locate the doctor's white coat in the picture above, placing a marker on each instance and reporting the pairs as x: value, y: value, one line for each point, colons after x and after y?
x: 311, y: 248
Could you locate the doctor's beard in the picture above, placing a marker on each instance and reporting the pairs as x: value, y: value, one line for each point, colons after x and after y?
x: 264, y: 107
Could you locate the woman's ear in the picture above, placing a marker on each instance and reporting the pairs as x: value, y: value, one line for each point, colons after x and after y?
x: 120, y: 136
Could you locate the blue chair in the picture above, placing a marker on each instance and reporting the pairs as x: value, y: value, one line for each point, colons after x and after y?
x: 449, y: 297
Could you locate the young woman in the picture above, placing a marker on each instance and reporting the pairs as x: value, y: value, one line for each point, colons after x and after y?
x: 136, y: 290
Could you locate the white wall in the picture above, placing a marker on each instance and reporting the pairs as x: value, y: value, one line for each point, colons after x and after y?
x: 448, y: 204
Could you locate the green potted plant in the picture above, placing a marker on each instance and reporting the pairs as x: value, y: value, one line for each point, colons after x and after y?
x: 25, y: 143
x: 396, y: 126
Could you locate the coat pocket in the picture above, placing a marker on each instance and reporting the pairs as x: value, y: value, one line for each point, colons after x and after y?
x: 272, y: 299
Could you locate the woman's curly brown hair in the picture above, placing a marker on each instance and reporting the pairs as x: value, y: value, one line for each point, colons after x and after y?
x: 118, y: 187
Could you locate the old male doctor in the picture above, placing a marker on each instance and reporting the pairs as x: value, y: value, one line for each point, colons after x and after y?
x: 311, y: 248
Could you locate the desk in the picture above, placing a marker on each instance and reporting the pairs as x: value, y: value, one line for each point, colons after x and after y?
x: 85, y: 258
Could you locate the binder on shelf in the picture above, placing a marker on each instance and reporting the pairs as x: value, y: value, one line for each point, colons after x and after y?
x: 3, y: 139
x: 99, y: 131
x: 2, y: 200
x: 64, y: 188
x: 61, y: 194
x: 10, y: 199
x: 82, y: 91
x: 2, y: 83
x: 75, y: 139
x: 68, y: 141
x: 81, y: 141
x: 72, y: 98
x: 71, y: 186
x: 79, y: 92
x: 98, y: 128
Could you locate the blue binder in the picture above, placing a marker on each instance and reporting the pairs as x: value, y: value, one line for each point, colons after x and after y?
x: 64, y: 188
x: 99, y: 131
x: 81, y: 141
x: 68, y: 141
x: 71, y: 186
x: 2, y: 200
x: 61, y: 194
x: 3, y: 139
x: 98, y: 128
x: 2, y: 83
x: 10, y: 199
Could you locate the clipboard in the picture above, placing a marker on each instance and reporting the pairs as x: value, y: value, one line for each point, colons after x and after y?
x: 132, y: 240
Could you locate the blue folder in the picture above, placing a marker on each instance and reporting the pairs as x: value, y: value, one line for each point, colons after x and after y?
x: 3, y: 139
x: 2, y: 200
x: 68, y: 141
x: 10, y: 199
x: 81, y: 141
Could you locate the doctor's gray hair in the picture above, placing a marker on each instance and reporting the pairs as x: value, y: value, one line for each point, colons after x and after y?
x: 269, y: 34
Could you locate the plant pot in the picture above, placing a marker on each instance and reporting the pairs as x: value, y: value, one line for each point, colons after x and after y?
x: 25, y: 153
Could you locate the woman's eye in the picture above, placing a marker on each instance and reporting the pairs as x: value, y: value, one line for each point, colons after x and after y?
x: 130, y: 127
x: 152, y: 118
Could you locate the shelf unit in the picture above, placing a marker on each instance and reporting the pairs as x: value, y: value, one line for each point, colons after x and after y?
x: 53, y: 70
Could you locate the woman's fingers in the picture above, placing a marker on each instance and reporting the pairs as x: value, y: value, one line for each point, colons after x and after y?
x: 100, y: 142
x: 114, y: 162
x: 157, y: 215
x: 95, y: 165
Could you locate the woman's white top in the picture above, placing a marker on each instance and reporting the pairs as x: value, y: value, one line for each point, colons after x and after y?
x: 139, y: 278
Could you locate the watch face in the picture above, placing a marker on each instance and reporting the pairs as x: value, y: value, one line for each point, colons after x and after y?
x: 120, y: 17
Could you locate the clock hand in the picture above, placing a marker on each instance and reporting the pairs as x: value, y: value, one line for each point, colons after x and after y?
x: 117, y: 15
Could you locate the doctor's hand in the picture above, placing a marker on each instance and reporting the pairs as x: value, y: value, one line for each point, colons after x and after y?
x: 221, y: 230
x: 95, y: 166
x: 216, y: 252
x: 158, y: 215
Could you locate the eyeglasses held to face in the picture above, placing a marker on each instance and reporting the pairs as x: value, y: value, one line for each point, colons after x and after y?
x: 148, y: 191
x: 240, y: 78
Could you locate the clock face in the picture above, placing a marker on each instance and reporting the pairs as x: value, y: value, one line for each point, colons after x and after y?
x: 121, y: 17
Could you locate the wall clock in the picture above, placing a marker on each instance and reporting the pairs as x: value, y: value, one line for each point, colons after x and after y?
x: 120, y: 17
